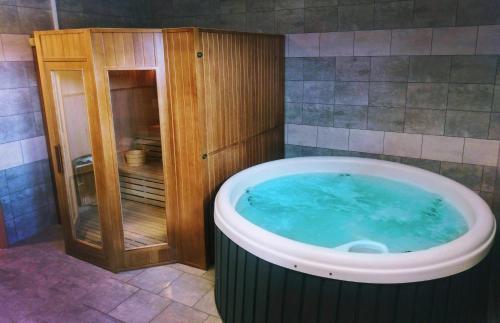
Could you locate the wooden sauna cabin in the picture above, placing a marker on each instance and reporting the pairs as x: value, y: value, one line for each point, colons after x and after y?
x: 144, y: 125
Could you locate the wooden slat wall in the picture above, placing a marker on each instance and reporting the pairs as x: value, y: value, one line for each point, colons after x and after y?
x: 240, y: 81
x: 241, y: 85
x: 128, y: 49
x: 252, y: 151
x: 67, y: 45
x: 227, y: 89
x: 188, y: 136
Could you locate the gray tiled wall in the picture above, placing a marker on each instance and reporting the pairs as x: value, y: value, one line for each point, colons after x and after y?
x: 429, y: 95
x: 97, y: 13
x: 26, y: 193
x: 24, y: 16
x: 480, y: 179
x: 435, y: 95
x: 27, y: 199
x: 299, y: 16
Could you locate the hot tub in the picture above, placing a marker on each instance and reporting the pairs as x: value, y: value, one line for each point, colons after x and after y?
x: 262, y: 276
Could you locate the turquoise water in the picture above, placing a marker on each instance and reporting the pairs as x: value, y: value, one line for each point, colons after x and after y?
x: 329, y: 209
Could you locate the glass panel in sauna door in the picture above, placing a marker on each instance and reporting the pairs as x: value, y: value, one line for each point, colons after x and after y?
x: 136, y: 119
x: 75, y: 155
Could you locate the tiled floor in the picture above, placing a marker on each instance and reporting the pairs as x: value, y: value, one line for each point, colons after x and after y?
x: 40, y: 283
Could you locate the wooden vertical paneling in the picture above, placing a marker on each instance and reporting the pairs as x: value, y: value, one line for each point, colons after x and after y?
x: 241, y: 83
x: 244, y: 72
x: 183, y: 102
x: 221, y: 87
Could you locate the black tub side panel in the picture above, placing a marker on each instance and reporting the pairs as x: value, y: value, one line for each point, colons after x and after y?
x: 249, y: 289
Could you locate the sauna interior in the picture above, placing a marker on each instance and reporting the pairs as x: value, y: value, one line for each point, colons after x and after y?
x: 144, y: 127
x: 136, y: 121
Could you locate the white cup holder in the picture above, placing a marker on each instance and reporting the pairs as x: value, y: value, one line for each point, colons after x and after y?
x: 363, y: 246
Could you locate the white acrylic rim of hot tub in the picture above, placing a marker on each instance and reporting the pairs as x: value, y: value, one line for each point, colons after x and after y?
x: 389, y: 268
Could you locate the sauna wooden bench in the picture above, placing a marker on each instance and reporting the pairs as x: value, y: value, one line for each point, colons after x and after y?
x: 143, y: 183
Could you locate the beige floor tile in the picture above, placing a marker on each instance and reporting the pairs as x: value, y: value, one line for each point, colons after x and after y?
x: 187, y: 289
x: 210, y: 274
x: 140, y: 308
x: 213, y: 319
x: 207, y: 304
x: 108, y: 295
x: 188, y: 269
x: 179, y: 313
x: 155, y: 279
x: 125, y: 276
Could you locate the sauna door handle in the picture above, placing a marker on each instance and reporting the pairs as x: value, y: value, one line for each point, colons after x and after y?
x: 60, y: 167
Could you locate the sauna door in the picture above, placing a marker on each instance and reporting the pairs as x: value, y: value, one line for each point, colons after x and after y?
x: 139, y: 142
x: 75, y: 151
